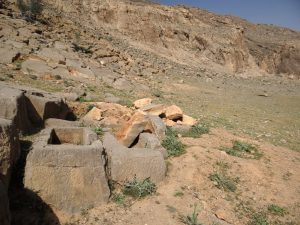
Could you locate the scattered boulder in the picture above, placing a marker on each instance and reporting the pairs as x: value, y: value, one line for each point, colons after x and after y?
x: 66, y: 169
x: 142, y: 103
x: 157, y: 127
x: 114, y: 115
x: 173, y: 112
x: 93, y: 115
x: 131, y: 130
x: 153, y: 109
x: 125, y: 164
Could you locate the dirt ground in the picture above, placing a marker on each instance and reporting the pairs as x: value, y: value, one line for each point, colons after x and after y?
x: 273, y: 179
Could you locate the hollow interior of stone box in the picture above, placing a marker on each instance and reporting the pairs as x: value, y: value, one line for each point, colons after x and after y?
x: 66, y: 136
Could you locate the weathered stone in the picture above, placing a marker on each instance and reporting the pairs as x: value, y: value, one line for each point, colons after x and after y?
x: 4, y: 207
x: 42, y: 105
x: 82, y: 73
x: 51, y: 54
x: 124, y: 164
x: 93, y: 115
x: 9, y: 149
x: 36, y: 67
x: 156, y: 126
x: 66, y: 169
x: 114, y: 115
x: 142, y: 103
x: 147, y: 140
x: 13, y: 107
x: 7, y: 55
x: 152, y: 109
x: 131, y: 130
x: 173, y: 112
x: 169, y: 123
x: 187, y: 120
x: 110, y: 98
x: 51, y: 122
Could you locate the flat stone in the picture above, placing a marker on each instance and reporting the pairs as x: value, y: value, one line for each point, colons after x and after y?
x: 154, y: 109
x: 51, y: 122
x: 187, y: 120
x: 51, y: 54
x: 36, y: 67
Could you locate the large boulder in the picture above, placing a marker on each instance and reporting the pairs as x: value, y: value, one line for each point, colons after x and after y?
x: 140, y: 103
x: 131, y: 130
x: 173, y: 112
x: 66, y: 169
x: 157, y: 127
x: 124, y: 164
x: 9, y: 149
x: 154, y: 109
x: 4, y: 207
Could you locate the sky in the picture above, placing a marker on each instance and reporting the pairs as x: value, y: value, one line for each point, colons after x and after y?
x: 284, y: 13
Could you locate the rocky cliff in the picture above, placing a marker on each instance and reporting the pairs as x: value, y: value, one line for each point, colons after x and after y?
x: 191, y: 36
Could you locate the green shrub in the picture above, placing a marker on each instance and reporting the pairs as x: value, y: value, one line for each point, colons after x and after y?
x: 191, y: 219
x: 196, y: 131
x: 223, y: 181
x: 30, y: 9
x: 139, y: 189
x: 173, y: 146
x: 276, y: 210
x: 258, y: 219
x: 243, y: 150
x: 99, y: 131
x: 119, y: 198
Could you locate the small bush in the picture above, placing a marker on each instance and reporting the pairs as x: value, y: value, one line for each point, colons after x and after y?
x: 191, y: 219
x: 172, y: 144
x: 30, y: 9
x: 243, y: 150
x: 99, y: 131
x: 223, y: 181
x: 119, y: 198
x: 196, y: 131
x: 178, y: 194
x: 139, y: 189
x: 276, y: 210
x: 258, y: 219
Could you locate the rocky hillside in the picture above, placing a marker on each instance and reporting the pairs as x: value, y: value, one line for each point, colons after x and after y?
x: 191, y: 36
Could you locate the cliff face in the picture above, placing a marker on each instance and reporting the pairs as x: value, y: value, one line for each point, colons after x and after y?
x: 192, y: 36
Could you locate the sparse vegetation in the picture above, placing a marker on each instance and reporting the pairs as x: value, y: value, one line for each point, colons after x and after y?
x: 139, y: 189
x: 99, y: 131
x: 172, y: 144
x: 223, y: 181
x: 276, y: 210
x: 90, y: 107
x: 119, y: 198
x: 258, y: 219
x: 178, y: 194
x: 243, y: 150
x: 196, y: 131
x: 191, y: 219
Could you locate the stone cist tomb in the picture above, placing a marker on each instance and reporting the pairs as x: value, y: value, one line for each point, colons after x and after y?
x: 66, y: 168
